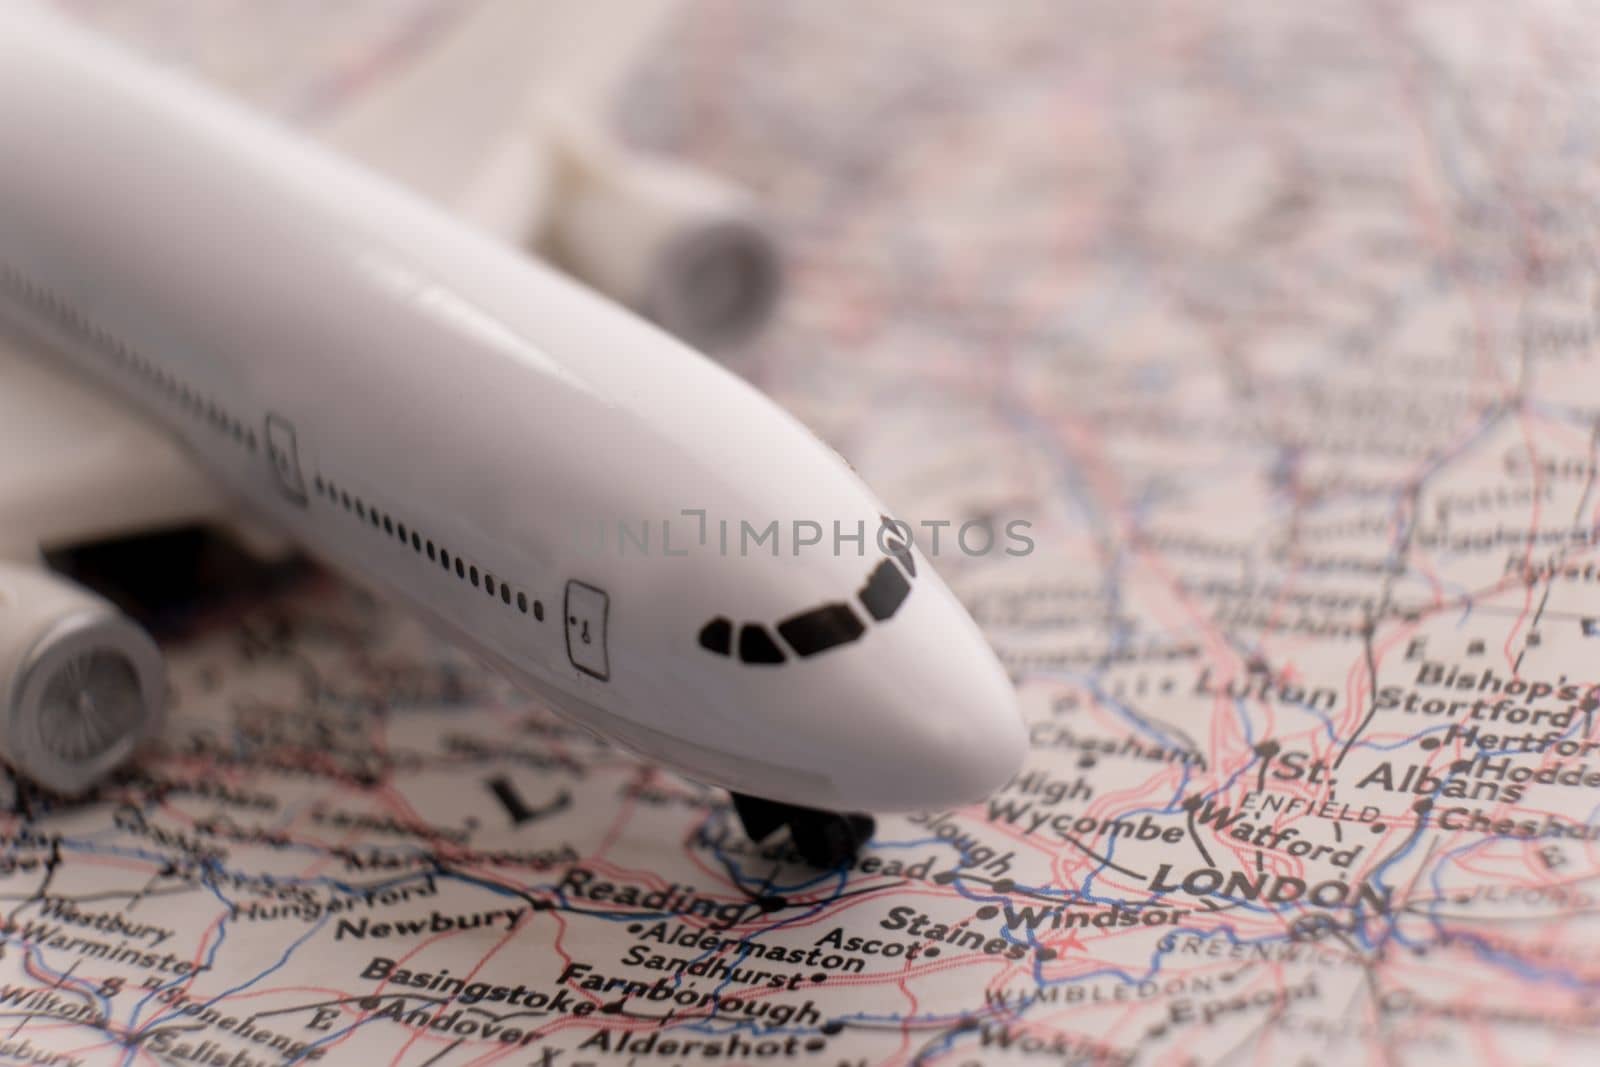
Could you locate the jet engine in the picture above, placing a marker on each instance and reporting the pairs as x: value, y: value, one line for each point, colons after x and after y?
x: 80, y: 683
x: 678, y: 245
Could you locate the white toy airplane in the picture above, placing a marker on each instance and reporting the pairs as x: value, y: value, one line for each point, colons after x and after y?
x: 221, y: 321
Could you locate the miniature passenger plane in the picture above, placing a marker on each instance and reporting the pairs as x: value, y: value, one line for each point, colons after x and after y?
x: 215, y: 319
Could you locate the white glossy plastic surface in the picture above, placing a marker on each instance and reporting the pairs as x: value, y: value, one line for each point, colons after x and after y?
x: 311, y: 333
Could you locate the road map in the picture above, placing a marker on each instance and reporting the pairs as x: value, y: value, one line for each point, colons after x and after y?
x: 1278, y: 323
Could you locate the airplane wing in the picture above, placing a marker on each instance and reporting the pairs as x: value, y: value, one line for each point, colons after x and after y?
x: 459, y: 95
x: 77, y: 466
x: 497, y: 110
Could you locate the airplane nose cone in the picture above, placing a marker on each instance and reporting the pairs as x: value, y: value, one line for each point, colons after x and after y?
x: 948, y: 728
x: 970, y: 738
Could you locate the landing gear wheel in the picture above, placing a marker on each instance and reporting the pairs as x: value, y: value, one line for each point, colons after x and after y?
x: 824, y: 839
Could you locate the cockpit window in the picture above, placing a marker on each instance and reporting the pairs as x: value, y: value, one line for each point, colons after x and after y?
x: 896, y: 545
x: 825, y: 627
x: 821, y: 628
x: 756, y: 645
x: 884, y: 592
x: 717, y: 635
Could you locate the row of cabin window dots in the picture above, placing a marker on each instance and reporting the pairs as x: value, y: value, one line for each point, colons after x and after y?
x: 467, y: 572
x: 194, y: 403
x: 111, y: 346
x: 199, y: 406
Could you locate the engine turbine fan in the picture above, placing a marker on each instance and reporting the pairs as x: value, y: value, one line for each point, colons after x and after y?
x: 81, y: 685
